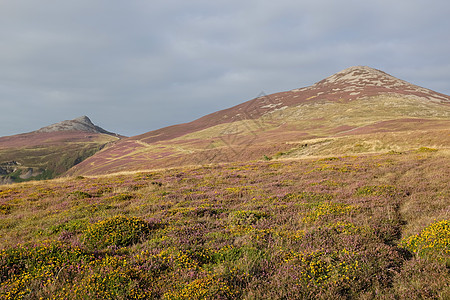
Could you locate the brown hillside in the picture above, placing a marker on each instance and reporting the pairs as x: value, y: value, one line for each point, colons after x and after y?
x: 356, y: 101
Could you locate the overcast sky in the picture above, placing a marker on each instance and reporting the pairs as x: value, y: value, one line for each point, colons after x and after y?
x: 138, y: 65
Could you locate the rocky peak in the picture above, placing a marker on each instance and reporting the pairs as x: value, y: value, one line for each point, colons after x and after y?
x: 362, y: 76
x: 84, y: 120
x: 362, y: 81
x: 82, y: 123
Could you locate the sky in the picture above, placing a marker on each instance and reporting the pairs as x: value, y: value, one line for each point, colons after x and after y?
x: 138, y: 65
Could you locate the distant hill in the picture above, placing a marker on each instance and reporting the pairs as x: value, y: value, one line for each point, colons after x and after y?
x: 83, y: 124
x: 51, y: 150
x: 357, y: 110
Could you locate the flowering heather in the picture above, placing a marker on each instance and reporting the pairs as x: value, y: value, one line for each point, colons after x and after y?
x: 336, y: 228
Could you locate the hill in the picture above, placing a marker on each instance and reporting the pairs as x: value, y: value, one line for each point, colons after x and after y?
x: 82, y: 123
x: 357, y: 110
x: 51, y: 150
x: 356, y: 227
x: 334, y: 191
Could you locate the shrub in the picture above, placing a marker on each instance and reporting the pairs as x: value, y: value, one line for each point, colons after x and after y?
x: 119, y: 231
x: 267, y: 157
x: 120, y: 197
x: 108, y: 278
x: 376, y: 190
x: 328, y: 208
x: 432, y: 242
x: 308, y: 196
x: 26, y: 270
x: 79, y: 195
x: 5, y: 209
x: 247, y: 217
x: 208, y: 287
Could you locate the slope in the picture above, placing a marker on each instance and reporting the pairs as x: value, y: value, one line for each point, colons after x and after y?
x: 366, y: 227
x: 357, y: 110
x: 51, y: 150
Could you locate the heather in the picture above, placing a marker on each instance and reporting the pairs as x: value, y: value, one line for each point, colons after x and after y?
x: 354, y: 227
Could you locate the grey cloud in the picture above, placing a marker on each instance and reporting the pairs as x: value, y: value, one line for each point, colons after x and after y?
x: 134, y: 66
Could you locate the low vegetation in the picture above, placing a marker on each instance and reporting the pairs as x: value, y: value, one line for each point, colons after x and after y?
x: 373, y: 226
x: 47, y: 159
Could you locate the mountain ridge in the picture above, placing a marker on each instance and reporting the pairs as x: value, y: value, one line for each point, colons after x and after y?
x: 355, y: 100
x: 358, y: 85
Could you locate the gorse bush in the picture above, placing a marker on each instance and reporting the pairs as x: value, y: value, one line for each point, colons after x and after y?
x: 309, y: 197
x: 27, y: 269
x: 119, y: 231
x: 79, y: 195
x: 203, y: 288
x: 376, y: 190
x: 328, y: 209
x: 5, y: 209
x: 110, y: 278
x: 42, y: 270
x: 121, y: 197
x: 247, y: 217
x: 432, y: 242
x: 34, y: 259
x: 317, y: 268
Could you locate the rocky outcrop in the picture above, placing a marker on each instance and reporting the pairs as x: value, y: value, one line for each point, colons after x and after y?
x: 79, y: 124
x: 9, y: 167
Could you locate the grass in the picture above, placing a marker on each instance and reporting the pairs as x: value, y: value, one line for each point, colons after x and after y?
x: 48, y: 159
x: 354, y: 227
x: 331, y: 115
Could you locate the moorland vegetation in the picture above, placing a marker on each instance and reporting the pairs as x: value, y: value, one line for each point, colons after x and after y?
x: 346, y: 227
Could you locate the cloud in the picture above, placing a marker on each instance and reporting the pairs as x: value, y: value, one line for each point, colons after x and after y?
x: 134, y: 66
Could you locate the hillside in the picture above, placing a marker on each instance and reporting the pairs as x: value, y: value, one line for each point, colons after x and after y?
x: 334, y: 191
x: 51, y: 150
x: 357, y: 110
x: 356, y: 227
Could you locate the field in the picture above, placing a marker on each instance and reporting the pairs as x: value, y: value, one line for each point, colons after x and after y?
x: 364, y: 227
